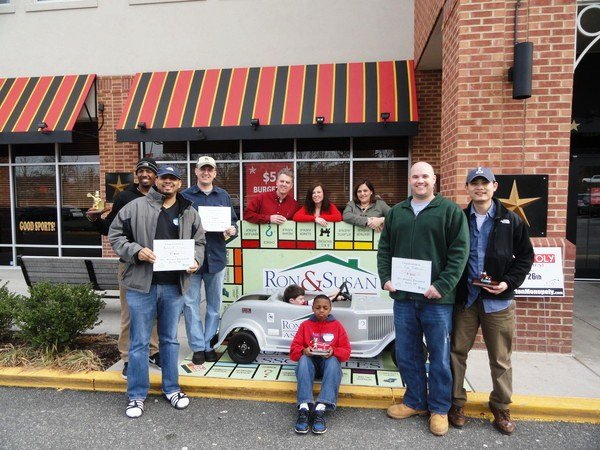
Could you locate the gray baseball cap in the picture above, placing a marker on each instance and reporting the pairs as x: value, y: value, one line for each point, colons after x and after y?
x: 483, y: 172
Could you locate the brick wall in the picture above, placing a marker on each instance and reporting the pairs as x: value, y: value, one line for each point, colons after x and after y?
x: 482, y: 125
x: 426, y: 145
x: 114, y: 156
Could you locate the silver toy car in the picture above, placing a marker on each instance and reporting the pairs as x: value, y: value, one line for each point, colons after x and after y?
x: 262, y: 321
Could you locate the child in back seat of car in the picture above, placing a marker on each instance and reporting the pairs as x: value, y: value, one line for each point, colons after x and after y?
x: 294, y: 294
x: 320, y: 345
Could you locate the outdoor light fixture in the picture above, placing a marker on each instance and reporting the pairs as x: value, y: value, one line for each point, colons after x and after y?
x: 385, y: 116
x: 320, y: 121
x: 43, y: 127
x: 520, y: 74
x: 201, y: 135
x: 142, y: 126
x: 254, y: 123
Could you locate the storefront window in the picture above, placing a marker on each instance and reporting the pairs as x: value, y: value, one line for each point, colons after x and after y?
x: 389, y: 178
x: 323, y: 148
x: 76, y: 182
x: 82, y: 252
x: 335, y: 176
x: 268, y: 149
x: 36, y: 251
x: 3, y: 154
x: 165, y: 151
x: 5, y: 234
x: 35, y: 190
x: 219, y: 150
x: 33, y: 153
x: 387, y: 147
x: 6, y: 256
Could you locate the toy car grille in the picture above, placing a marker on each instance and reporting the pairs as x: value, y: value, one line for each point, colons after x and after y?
x: 380, y: 327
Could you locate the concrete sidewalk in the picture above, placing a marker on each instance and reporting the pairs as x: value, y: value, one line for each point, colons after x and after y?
x: 548, y: 379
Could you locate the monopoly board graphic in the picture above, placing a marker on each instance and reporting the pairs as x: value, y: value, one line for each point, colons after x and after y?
x: 379, y: 371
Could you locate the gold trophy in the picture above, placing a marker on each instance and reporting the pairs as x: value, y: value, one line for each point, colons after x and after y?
x: 98, y: 202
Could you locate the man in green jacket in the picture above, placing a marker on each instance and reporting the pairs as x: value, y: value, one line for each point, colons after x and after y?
x: 426, y: 229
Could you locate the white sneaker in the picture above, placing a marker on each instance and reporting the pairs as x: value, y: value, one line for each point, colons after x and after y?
x: 135, y: 408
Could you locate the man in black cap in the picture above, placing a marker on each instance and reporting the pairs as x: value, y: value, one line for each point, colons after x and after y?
x: 145, y: 170
x: 500, y: 258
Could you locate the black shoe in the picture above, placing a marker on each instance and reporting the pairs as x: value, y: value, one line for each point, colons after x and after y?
x: 319, y: 426
x: 124, y: 372
x: 211, y: 356
x: 155, y: 359
x: 302, y: 422
x: 198, y: 358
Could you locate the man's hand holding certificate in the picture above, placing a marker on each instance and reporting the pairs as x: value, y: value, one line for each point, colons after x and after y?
x: 215, y: 218
x: 173, y: 254
x: 411, y: 275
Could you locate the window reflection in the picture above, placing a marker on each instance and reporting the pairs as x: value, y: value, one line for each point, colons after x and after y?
x: 33, y: 153
x: 334, y: 175
x: 76, y: 182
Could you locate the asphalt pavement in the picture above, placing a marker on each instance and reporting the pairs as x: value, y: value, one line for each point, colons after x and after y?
x: 62, y: 419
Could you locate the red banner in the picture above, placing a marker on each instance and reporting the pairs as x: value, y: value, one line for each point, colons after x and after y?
x: 261, y: 177
x: 595, y: 196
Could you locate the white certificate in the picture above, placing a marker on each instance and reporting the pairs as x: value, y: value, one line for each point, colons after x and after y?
x: 411, y: 275
x: 173, y: 254
x: 215, y: 218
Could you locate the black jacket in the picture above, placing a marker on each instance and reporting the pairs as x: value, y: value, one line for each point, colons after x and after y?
x: 124, y: 197
x: 508, y: 256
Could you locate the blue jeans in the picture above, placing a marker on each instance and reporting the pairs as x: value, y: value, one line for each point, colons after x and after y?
x: 412, y: 320
x: 198, y: 339
x: 165, y: 302
x: 329, y: 370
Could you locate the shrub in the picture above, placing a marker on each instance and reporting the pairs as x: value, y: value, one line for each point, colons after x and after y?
x: 54, y: 314
x: 8, y: 304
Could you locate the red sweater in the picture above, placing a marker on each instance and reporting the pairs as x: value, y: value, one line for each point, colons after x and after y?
x: 311, y: 330
x: 262, y: 207
x: 333, y: 215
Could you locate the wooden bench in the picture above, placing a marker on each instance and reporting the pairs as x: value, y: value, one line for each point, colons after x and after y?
x: 101, y: 273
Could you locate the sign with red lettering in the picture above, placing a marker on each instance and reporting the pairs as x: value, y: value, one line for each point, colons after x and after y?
x: 261, y: 177
x: 545, y: 279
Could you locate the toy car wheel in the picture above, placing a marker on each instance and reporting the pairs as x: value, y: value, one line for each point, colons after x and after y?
x: 243, y: 347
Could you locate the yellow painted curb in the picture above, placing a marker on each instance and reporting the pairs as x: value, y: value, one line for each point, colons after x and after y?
x: 566, y: 409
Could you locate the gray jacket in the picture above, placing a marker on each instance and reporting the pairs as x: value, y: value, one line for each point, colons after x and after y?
x: 135, y: 227
x: 356, y: 216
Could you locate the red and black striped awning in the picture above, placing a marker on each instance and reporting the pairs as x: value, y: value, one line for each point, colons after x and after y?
x: 220, y: 103
x: 27, y: 101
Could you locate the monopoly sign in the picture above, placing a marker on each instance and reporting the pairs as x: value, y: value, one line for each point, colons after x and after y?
x: 323, y: 273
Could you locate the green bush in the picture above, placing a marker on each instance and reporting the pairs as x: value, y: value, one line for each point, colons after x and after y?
x: 54, y: 314
x: 8, y: 304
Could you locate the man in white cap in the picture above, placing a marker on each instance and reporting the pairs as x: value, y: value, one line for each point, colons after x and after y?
x: 212, y: 270
x: 500, y: 258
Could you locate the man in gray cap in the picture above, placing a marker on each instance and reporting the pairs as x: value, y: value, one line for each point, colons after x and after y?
x: 212, y: 269
x: 500, y: 258
x: 145, y: 171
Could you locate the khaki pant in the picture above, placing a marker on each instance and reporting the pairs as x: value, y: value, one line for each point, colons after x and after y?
x: 498, y: 329
x: 123, y: 343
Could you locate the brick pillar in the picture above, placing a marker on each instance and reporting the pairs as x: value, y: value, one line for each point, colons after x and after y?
x: 482, y: 125
x: 114, y: 156
x: 426, y: 145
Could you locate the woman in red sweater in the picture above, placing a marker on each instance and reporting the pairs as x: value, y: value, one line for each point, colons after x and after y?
x: 317, y: 207
x: 320, y: 345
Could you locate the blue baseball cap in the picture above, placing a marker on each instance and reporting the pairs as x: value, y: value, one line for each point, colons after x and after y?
x: 483, y: 172
x: 168, y: 170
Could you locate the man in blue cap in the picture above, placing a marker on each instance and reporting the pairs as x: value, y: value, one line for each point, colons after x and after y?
x: 162, y: 215
x: 500, y: 258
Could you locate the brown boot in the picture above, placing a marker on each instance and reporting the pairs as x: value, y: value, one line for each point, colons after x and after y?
x: 502, y: 420
x: 438, y: 424
x: 456, y: 416
x: 401, y: 411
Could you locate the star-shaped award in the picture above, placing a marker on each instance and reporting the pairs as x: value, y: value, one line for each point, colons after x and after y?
x: 575, y: 126
x: 118, y: 186
x: 516, y: 204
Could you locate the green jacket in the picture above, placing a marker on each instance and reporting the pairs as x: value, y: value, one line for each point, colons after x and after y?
x: 439, y: 234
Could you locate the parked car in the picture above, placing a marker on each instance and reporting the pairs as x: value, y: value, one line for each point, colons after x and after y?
x: 262, y: 321
x: 592, y: 179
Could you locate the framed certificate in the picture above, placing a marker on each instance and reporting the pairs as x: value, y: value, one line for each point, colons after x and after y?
x: 173, y: 254
x: 411, y: 275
